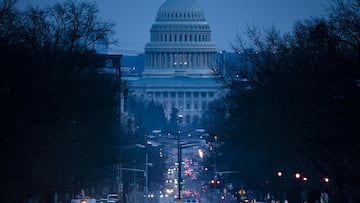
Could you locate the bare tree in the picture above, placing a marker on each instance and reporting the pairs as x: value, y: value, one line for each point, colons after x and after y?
x: 52, y: 98
x: 344, y: 21
x: 303, y: 97
x: 7, y: 13
x: 63, y: 30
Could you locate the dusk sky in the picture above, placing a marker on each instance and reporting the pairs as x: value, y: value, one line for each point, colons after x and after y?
x: 133, y: 18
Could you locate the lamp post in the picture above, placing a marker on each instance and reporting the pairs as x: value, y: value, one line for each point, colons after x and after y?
x: 134, y: 195
x: 120, y: 169
x: 146, y: 177
x: 179, y: 167
x: 146, y: 171
x: 179, y: 146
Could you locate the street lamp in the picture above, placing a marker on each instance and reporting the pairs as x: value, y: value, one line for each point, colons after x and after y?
x: 146, y: 172
x: 179, y: 167
x: 120, y: 169
x: 326, y: 180
x: 181, y: 145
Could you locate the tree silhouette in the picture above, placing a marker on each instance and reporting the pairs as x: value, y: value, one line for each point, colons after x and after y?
x: 299, y: 100
x: 56, y: 110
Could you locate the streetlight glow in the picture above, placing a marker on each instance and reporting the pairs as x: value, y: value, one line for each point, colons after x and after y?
x: 297, y: 175
x: 201, y: 153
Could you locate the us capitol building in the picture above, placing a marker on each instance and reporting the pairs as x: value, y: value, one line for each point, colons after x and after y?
x: 179, y: 62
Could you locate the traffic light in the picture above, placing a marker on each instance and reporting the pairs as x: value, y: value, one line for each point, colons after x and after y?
x: 212, y: 183
x: 215, y: 183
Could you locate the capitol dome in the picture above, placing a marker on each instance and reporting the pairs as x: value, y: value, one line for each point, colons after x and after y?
x: 180, y: 42
x: 179, y: 63
x: 180, y: 10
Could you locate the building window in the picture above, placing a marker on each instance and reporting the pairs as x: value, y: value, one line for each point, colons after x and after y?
x: 175, y: 60
x: 188, y: 119
x: 185, y: 60
x: 204, y: 105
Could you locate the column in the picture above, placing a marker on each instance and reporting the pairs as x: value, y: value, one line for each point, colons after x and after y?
x: 190, y: 62
x: 152, y: 60
x: 171, y: 60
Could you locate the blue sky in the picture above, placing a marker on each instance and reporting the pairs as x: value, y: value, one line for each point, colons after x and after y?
x: 133, y: 18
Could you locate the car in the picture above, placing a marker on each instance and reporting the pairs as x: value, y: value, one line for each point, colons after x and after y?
x: 112, y: 198
x: 83, y: 200
x: 102, y: 200
x: 190, y: 200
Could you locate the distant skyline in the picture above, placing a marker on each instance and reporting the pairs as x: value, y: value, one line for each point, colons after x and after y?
x: 133, y: 18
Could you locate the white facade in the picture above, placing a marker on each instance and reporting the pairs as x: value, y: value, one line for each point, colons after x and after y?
x: 179, y: 61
